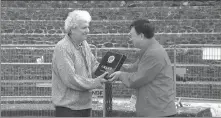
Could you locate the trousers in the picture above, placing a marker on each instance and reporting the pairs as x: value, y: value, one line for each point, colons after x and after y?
x: 67, y: 112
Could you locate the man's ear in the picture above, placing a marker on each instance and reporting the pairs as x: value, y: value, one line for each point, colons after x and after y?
x: 142, y: 36
x: 69, y: 33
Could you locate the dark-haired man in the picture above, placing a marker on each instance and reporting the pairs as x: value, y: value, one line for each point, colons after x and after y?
x: 151, y: 75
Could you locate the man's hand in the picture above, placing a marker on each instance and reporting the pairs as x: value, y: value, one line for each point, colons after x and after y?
x: 115, y: 76
x: 101, y: 78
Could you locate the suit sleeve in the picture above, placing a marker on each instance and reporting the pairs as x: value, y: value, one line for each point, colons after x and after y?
x: 66, y: 70
x: 148, y: 70
x: 130, y: 67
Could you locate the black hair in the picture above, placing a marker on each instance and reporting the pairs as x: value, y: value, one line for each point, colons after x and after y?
x: 143, y: 26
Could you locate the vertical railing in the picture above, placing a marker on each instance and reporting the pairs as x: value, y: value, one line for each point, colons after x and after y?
x: 0, y: 67
x: 174, y: 68
x: 202, y: 74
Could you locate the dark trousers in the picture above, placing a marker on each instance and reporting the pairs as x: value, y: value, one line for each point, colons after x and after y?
x: 67, y: 112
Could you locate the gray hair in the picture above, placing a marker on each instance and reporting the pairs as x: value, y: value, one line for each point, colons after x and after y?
x: 74, y: 16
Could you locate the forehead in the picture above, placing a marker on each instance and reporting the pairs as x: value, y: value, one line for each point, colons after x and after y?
x: 83, y: 23
x: 132, y: 30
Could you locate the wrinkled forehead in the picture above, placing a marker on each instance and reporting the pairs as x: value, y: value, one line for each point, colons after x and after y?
x: 83, y: 23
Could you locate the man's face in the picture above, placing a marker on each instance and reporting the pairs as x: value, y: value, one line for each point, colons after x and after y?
x: 136, y: 39
x: 81, y: 31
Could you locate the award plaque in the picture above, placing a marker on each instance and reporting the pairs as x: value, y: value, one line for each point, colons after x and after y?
x: 111, y: 62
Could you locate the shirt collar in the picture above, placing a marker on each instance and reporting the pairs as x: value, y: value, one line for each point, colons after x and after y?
x: 72, y: 41
x: 153, y: 45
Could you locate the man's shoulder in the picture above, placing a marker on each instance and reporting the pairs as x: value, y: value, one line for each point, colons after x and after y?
x: 157, y: 54
x: 62, y: 44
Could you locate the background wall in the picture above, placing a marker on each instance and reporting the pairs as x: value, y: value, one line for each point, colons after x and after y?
x: 42, y: 22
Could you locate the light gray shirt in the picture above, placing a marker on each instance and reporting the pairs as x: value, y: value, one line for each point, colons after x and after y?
x: 72, y: 69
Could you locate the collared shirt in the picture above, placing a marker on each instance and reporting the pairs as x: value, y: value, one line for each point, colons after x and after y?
x: 71, y: 80
x: 152, y: 78
x: 79, y: 47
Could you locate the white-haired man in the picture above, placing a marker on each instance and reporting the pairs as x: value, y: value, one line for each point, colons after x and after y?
x: 72, y: 66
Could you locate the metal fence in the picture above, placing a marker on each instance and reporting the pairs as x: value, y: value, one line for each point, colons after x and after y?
x: 26, y: 76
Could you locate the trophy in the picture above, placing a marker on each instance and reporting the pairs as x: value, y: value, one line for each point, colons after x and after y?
x: 111, y: 62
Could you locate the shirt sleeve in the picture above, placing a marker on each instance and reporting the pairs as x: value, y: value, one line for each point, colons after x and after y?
x: 149, y: 67
x: 66, y: 70
x: 94, y: 63
x: 130, y: 67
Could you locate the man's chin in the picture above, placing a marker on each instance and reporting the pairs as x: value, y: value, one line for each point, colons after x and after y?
x: 135, y: 45
x: 84, y: 38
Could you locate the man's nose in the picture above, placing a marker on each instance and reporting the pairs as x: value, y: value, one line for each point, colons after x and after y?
x: 87, y: 30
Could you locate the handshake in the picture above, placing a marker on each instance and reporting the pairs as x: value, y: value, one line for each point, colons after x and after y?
x: 106, y: 77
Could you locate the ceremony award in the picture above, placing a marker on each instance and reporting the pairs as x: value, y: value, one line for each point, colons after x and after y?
x: 111, y: 62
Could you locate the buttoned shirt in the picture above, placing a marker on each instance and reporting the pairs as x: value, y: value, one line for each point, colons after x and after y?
x: 152, y: 78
